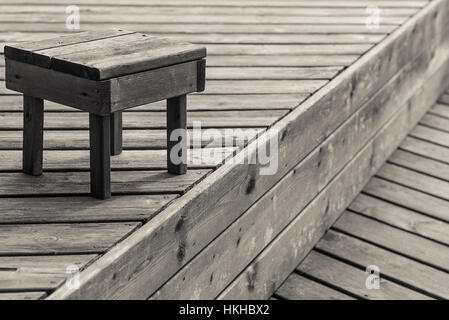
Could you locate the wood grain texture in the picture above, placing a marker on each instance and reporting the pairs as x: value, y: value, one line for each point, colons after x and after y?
x: 402, y: 218
x: 81, y: 209
x: 353, y: 280
x: 297, y: 287
x: 418, y: 248
x: 363, y: 254
x: 77, y: 183
x: 61, y: 238
x: 23, y: 295
x: 408, y: 198
x: 38, y: 272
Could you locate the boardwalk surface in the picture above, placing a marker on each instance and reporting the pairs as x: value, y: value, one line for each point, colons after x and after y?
x: 264, y: 59
x: 399, y: 223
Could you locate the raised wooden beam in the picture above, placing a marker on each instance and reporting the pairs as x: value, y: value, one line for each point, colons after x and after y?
x: 177, y: 122
x: 100, y: 156
x: 116, y: 133
x: 33, y: 135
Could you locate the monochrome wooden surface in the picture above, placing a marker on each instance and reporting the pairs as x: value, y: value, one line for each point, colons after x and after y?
x: 342, y: 96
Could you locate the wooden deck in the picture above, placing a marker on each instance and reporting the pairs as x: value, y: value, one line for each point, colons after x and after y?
x: 400, y: 223
x: 266, y: 61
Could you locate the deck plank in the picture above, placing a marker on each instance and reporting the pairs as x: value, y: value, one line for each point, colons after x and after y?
x: 40, y: 239
x: 81, y: 209
x: 415, y: 180
x: 38, y: 272
x: 402, y: 218
x: 77, y: 183
x: 363, y: 254
x: 154, y: 139
x: 423, y: 148
x: 421, y: 164
x: 23, y: 295
x: 153, y: 120
x: 408, y: 198
x: 408, y: 244
x: 351, y: 279
x: 431, y: 135
x: 297, y: 287
x: 74, y: 160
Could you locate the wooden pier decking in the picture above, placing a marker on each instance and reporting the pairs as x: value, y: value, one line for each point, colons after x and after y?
x: 400, y: 223
x: 310, y: 68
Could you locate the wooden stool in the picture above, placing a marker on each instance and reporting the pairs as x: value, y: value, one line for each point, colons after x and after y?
x: 104, y: 73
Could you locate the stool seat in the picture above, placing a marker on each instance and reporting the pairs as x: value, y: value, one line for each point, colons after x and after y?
x: 105, y: 72
x: 100, y: 55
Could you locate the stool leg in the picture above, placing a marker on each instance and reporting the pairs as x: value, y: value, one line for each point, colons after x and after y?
x: 100, y: 152
x: 116, y: 133
x: 177, y: 150
x: 33, y: 135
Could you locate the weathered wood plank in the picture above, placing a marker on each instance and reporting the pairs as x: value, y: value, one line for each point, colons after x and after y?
x: 153, y: 120
x: 297, y: 287
x: 152, y: 18
x: 270, y: 73
x: 184, y: 10
x: 441, y: 110
x: 38, y: 272
x: 421, y: 164
x: 415, y: 180
x: 444, y: 98
x: 236, y: 3
x: 353, y: 280
x: 62, y: 238
x: 431, y: 135
x: 168, y: 28
x: 408, y: 198
x: 402, y: 218
x: 426, y: 149
x: 133, y: 139
x: 81, y: 209
x: 88, y: 95
x: 410, y: 245
x: 363, y: 254
x: 116, y: 127
x: 21, y: 50
x: 196, y: 103
x: 23, y: 295
x: 435, y: 122
x: 57, y: 183
x: 213, y: 87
